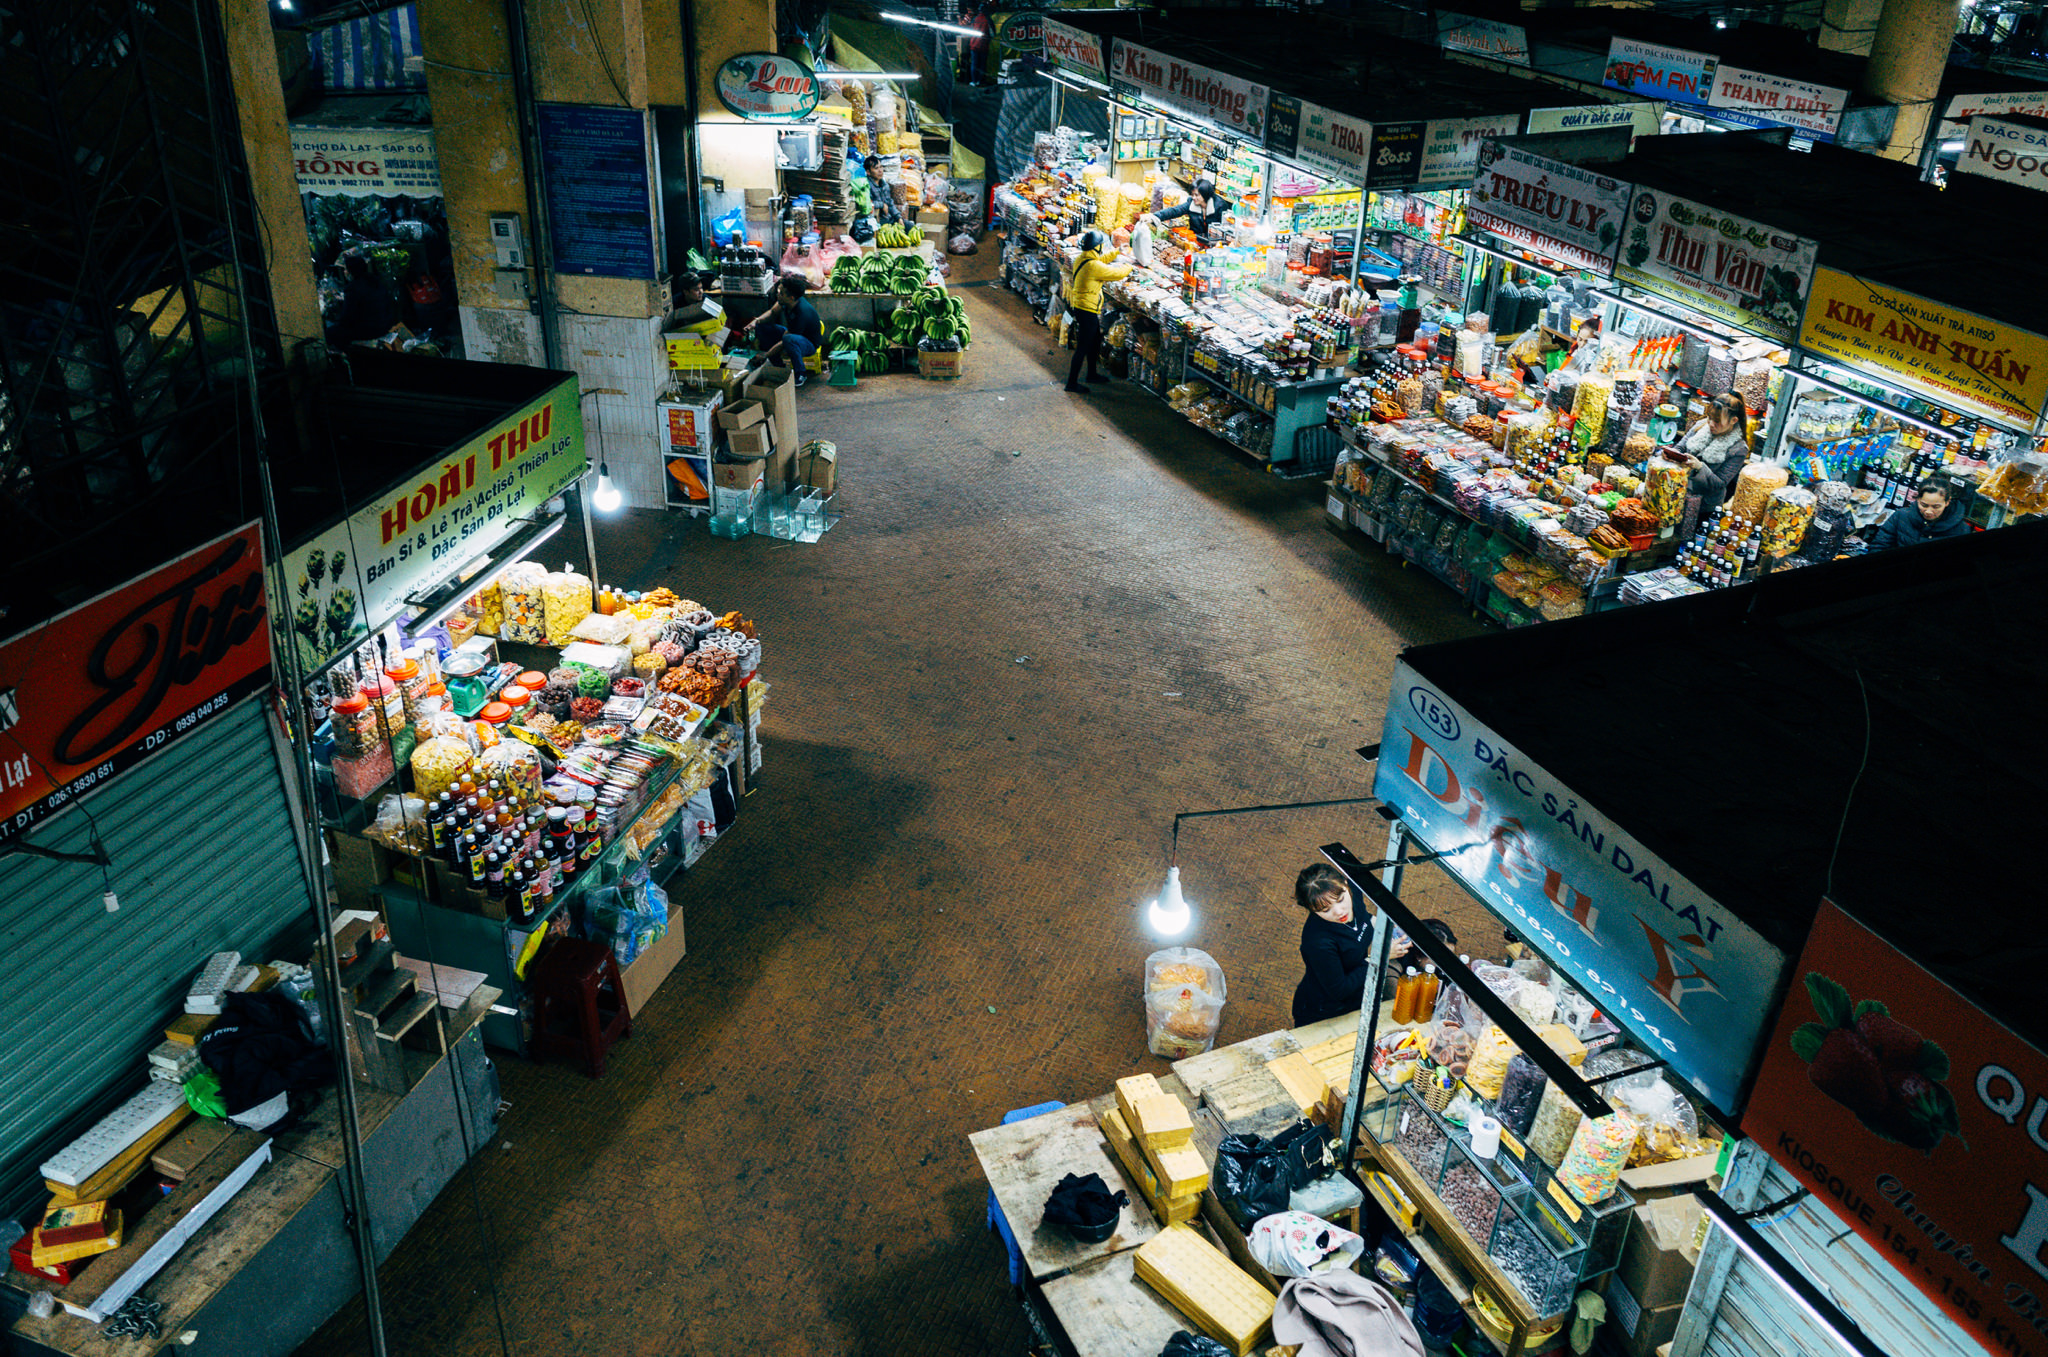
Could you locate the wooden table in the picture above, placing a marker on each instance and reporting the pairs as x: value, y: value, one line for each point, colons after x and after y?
x: 1025, y: 1161
x: 1120, y: 1315
x: 264, y: 1274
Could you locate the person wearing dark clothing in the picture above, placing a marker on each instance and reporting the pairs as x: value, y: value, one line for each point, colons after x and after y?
x: 1203, y: 209
x: 788, y: 332
x: 1934, y: 515
x: 1716, y: 448
x: 1336, y: 946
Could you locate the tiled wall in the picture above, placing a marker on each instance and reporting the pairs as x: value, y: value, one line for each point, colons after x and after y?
x: 620, y: 367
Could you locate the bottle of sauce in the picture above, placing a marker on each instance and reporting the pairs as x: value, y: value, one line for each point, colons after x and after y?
x: 516, y: 899
x: 592, y: 841
x: 478, y: 865
x: 438, y: 811
x: 1404, y: 997
x: 494, y: 875
x: 1431, y: 983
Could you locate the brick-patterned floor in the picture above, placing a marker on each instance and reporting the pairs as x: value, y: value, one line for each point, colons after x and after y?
x: 1047, y: 623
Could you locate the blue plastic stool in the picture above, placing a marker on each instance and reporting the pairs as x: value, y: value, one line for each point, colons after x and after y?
x: 996, y: 1221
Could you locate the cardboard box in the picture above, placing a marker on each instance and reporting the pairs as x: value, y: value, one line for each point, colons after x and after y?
x: 781, y: 468
x: 1657, y: 1260
x: 817, y: 465
x: 775, y: 388
x: 734, y: 503
x: 932, y: 216
x: 742, y: 414
x: 689, y: 352
x: 941, y: 366
x: 1636, y: 1331
x: 699, y: 319
x: 737, y: 475
x: 754, y: 442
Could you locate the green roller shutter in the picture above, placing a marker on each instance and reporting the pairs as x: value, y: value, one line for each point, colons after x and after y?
x: 204, y: 861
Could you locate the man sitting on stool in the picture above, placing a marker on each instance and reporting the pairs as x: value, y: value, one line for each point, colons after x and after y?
x: 789, y: 331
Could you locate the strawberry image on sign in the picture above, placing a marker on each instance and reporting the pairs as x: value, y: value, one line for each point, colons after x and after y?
x: 1876, y: 1066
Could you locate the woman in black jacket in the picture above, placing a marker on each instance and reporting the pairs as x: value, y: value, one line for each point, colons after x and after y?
x: 1336, y: 946
x: 1203, y: 209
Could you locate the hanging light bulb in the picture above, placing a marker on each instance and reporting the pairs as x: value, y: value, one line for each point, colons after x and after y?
x: 606, y: 497
x: 1168, y: 915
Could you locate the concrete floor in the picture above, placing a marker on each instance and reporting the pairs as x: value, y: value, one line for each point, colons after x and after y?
x: 1047, y: 623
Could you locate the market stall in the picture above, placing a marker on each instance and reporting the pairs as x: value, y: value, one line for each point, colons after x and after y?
x: 1855, y: 1216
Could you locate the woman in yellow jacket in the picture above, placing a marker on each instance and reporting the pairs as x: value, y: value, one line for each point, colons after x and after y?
x: 1084, y: 299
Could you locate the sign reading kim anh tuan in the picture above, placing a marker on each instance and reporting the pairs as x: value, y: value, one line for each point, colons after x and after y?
x: 1231, y: 103
x: 1689, y: 980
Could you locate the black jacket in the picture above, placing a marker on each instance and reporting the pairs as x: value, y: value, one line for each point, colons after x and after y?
x: 1336, y: 957
x: 1906, y: 528
x: 1198, y: 222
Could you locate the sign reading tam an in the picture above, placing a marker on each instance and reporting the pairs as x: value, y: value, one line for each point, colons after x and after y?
x: 1918, y: 1118
x: 1689, y: 980
x: 1659, y: 72
x: 765, y: 88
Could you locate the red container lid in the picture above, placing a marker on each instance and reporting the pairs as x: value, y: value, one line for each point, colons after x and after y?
x: 497, y: 713
x: 350, y: 705
x: 378, y: 686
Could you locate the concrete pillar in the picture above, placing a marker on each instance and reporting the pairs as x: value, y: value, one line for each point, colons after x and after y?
x: 1850, y: 25
x: 273, y: 177
x: 739, y: 153
x: 1907, y: 59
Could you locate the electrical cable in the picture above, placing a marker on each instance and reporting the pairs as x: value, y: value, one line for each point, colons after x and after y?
x: 1850, y: 800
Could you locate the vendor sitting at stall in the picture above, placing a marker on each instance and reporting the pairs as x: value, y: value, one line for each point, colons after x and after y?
x: 1716, y: 448
x: 1336, y: 946
x: 1203, y: 209
x: 1937, y: 513
x: 789, y: 331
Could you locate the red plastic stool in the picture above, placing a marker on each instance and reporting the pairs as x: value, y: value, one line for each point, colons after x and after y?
x: 568, y: 981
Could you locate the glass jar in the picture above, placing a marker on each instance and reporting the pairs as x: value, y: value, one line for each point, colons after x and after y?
x: 355, y: 726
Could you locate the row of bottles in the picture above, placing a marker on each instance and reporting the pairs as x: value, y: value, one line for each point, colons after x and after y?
x: 511, y: 847
x: 1415, y: 994
x: 1722, y: 552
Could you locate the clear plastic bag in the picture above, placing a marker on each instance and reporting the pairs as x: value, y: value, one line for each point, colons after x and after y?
x: 1451, y: 1047
x: 1521, y: 1093
x: 1181, y: 1022
x: 401, y: 823
x: 1175, y: 967
x: 1488, y: 1067
x: 1669, y: 1127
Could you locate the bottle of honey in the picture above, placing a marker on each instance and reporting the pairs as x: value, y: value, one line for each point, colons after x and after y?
x: 1404, y: 997
x: 1428, y: 988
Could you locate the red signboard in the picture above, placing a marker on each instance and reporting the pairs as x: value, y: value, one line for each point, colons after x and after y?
x: 111, y: 682
x: 1919, y: 1120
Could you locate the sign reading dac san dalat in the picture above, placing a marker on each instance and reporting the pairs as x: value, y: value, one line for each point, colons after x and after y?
x: 1236, y: 105
x: 1560, y: 211
x: 1998, y: 148
x: 1921, y: 1121
x: 1688, y: 979
x: 354, y: 578
x: 1956, y: 358
x: 1751, y: 275
x: 385, y: 162
x: 1072, y: 49
x: 1963, y: 107
x: 102, y: 687
x: 1642, y: 119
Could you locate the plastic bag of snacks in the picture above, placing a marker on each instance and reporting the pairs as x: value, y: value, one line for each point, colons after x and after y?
x: 1451, y: 1046
x: 489, y: 606
x: 1176, y: 967
x: 1664, y: 487
x: 1669, y: 1127
x: 1488, y: 1067
x: 402, y: 824
x: 525, y: 607
x: 1181, y: 1022
x: 1753, y: 487
x: 603, y: 629
x: 1521, y: 1092
x: 569, y: 599
x: 438, y: 764
x: 1786, y: 516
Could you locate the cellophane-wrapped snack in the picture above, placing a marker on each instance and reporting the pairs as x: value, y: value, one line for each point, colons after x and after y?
x: 521, y: 585
x: 1786, y: 516
x: 1753, y: 487
x: 438, y: 764
x: 568, y: 599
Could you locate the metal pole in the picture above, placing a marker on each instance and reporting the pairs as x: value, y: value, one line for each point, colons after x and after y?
x: 1358, y: 240
x: 1369, y: 1002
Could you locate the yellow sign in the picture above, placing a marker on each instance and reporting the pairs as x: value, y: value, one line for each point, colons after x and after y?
x: 1954, y: 357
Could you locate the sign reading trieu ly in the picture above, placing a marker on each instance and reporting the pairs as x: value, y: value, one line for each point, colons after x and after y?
x: 1689, y: 980
x: 1919, y: 1119
x: 1560, y: 211
x: 355, y: 577
x: 111, y: 682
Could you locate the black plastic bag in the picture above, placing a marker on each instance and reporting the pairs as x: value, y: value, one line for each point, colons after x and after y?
x: 262, y: 1045
x: 1185, y: 1344
x: 1251, y: 1178
x: 1083, y: 1201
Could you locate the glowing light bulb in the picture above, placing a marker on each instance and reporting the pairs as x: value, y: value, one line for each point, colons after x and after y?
x: 606, y: 497
x: 1169, y: 914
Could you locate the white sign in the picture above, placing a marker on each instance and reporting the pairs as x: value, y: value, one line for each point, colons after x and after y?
x: 1641, y: 119
x: 1071, y: 49
x: 1688, y: 979
x: 2003, y: 150
x: 1482, y: 37
x: 1334, y: 143
x: 1762, y: 100
x: 384, y: 162
x: 1233, y: 104
x: 1560, y: 211
x: 1450, y: 147
x: 1751, y: 275
x: 1963, y: 107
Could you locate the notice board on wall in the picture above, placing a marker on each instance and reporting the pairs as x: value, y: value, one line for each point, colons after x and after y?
x: 600, y: 201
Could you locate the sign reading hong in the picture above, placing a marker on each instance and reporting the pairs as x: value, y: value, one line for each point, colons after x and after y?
x: 1689, y: 980
x: 1234, y: 104
x: 383, y: 161
x: 356, y: 576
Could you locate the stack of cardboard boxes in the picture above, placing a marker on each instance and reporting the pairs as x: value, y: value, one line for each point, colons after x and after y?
x: 760, y: 428
x: 1646, y: 1291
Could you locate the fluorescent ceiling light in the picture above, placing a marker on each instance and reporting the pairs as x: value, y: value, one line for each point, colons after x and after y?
x: 869, y: 75
x: 933, y: 23
x: 1072, y: 81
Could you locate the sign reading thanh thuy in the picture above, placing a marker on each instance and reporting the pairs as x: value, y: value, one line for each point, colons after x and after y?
x: 1921, y: 1121
x: 1968, y: 362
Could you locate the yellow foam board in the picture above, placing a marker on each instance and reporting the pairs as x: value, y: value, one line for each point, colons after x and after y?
x: 1202, y: 1283
x: 1118, y: 1133
x: 1133, y: 1089
x: 1182, y: 1172
x: 1162, y: 1122
x: 1302, y: 1080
